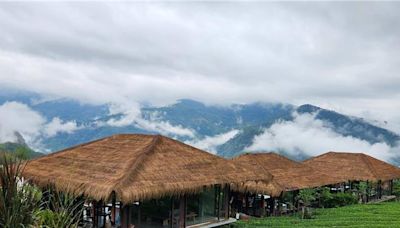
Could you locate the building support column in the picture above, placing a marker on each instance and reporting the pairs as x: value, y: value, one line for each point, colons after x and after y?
x: 379, y: 189
x: 182, y: 211
x: 171, y: 213
x: 272, y: 206
x: 262, y: 206
x: 113, y: 208
x: 94, y: 215
x: 246, y: 200
x: 294, y: 200
x: 226, y: 201
x: 391, y: 187
x: 219, y: 202
x: 124, y: 214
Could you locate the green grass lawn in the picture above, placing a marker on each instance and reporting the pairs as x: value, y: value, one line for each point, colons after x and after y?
x: 367, y: 215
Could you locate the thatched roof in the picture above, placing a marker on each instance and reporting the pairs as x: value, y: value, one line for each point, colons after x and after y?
x: 353, y: 166
x: 287, y: 174
x: 135, y: 167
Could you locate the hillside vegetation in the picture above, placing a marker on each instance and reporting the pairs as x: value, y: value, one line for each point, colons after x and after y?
x: 20, y: 150
x: 362, y: 215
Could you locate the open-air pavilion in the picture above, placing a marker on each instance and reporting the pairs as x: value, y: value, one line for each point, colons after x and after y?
x: 145, y: 180
x: 355, y: 167
x: 288, y: 176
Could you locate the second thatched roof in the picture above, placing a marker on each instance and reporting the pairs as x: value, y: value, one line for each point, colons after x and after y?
x: 288, y: 175
x: 136, y: 167
x: 353, y: 167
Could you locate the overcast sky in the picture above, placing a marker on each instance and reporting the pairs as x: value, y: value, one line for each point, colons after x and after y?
x: 343, y: 56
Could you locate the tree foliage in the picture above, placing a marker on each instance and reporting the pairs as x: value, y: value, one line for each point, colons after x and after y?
x: 24, y: 205
x: 18, y: 200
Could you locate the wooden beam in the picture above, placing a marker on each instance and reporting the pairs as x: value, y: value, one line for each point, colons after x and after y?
x: 124, y: 215
x: 219, y: 203
x: 379, y: 189
x: 246, y: 200
x: 391, y: 187
x: 94, y: 215
x: 113, y: 208
x: 182, y: 211
x: 262, y: 206
x: 226, y: 201
x: 171, y: 216
x: 271, y: 203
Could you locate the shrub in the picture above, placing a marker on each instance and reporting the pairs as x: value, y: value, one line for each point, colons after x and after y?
x: 396, y: 188
x: 18, y: 200
x: 340, y: 199
x: 23, y: 205
x: 325, y: 197
x: 61, y: 210
x: 362, y: 190
x: 306, y: 198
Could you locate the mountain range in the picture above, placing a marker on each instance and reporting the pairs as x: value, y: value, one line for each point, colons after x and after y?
x: 225, y: 130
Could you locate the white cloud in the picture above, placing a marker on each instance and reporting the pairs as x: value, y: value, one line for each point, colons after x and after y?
x: 158, y: 53
x: 19, y: 117
x: 210, y: 143
x: 311, y: 136
x: 56, y: 125
x: 164, y: 127
x: 131, y: 115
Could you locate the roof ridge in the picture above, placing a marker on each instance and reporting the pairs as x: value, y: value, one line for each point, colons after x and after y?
x: 318, y: 156
x: 73, y: 147
x: 136, y: 163
x: 369, y: 164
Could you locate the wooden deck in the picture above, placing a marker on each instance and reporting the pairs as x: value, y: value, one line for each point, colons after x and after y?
x: 215, y: 223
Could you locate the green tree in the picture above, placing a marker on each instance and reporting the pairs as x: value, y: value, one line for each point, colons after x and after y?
x: 362, y: 191
x: 18, y: 200
x: 306, y: 198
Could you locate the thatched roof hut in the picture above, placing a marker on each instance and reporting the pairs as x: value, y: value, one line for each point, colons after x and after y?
x: 135, y: 167
x: 287, y: 174
x: 353, y: 167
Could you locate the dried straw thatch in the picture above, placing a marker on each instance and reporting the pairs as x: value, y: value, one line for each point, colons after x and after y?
x: 353, y: 167
x: 287, y: 174
x: 135, y: 167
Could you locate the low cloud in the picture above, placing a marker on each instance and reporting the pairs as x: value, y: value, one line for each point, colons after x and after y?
x: 56, y: 125
x: 311, y: 136
x: 131, y: 115
x: 18, y: 117
x: 210, y: 143
x: 219, y: 53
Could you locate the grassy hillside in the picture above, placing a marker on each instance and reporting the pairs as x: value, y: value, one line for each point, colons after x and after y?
x: 367, y: 215
x: 20, y: 150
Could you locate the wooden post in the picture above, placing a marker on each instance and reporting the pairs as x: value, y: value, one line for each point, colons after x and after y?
x: 182, y: 211
x: 103, y: 212
x: 139, y: 206
x: 171, y: 216
x: 295, y: 206
x: 391, y: 187
x: 379, y: 189
x: 226, y: 201
x: 272, y: 206
x: 246, y: 200
x: 94, y: 215
x: 219, y: 203
x: 123, y: 215
x: 279, y: 203
x: 113, y: 208
x: 129, y: 220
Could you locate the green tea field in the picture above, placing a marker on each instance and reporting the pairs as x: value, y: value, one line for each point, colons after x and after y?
x: 367, y: 215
